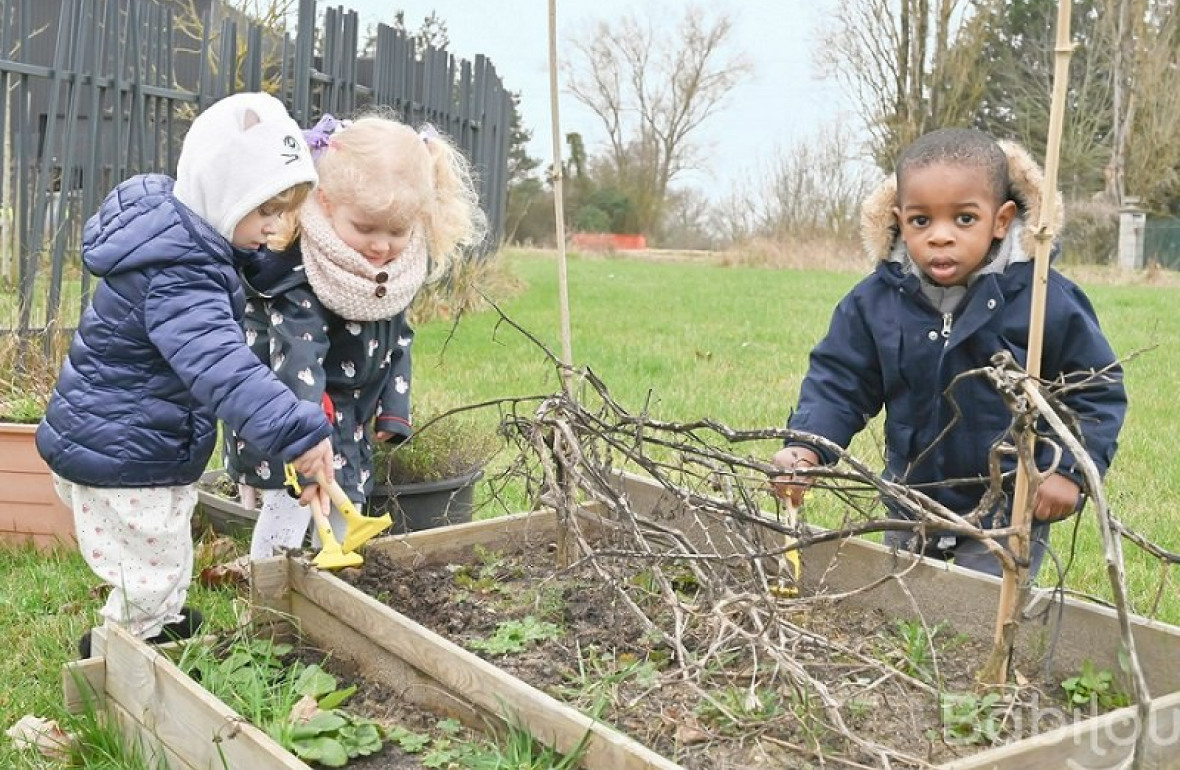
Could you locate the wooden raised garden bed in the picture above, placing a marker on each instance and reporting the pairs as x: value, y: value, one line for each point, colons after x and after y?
x: 156, y: 701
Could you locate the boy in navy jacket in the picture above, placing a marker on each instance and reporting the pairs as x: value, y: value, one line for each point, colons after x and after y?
x: 952, y: 233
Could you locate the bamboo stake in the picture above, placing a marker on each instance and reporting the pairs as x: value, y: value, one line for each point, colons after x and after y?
x: 567, y: 355
x: 1015, y: 581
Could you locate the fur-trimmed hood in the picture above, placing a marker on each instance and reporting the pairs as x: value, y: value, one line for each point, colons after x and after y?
x: 880, y: 236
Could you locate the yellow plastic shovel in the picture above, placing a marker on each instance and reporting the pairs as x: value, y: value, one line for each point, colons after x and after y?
x: 791, y: 562
x: 361, y: 529
x: 330, y: 556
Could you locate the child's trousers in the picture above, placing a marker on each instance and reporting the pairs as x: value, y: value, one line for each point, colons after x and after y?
x: 138, y: 540
x: 973, y: 554
x: 282, y: 525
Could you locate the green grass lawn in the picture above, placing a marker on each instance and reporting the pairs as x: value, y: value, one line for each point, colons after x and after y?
x: 694, y: 340
x: 688, y: 341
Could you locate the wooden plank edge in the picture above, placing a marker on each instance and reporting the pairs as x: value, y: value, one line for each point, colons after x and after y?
x: 358, y: 652
x: 485, y: 685
x: 83, y: 685
x: 1103, y: 741
x: 458, y: 537
x: 183, y: 716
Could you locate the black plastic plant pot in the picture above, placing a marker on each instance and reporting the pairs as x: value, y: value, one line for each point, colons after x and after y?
x: 426, y: 505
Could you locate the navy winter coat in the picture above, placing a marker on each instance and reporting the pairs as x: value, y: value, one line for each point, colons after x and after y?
x: 159, y: 355
x: 886, y: 348
x: 362, y: 367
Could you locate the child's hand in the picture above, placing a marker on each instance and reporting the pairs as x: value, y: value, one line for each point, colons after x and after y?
x: 1057, y: 498
x: 789, y: 459
x: 317, y: 493
x: 316, y: 461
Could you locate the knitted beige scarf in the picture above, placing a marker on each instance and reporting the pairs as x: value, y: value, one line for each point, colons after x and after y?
x: 347, y: 283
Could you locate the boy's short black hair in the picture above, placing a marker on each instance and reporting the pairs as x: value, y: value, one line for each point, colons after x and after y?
x: 961, y: 146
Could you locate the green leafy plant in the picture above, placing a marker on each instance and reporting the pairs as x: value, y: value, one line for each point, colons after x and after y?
x: 910, y: 647
x: 252, y: 677
x: 441, y: 447
x: 735, y: 707
x: 516, y: 635
x: 408, y: 740
x: 1094, y: 686
x: 971, y: 719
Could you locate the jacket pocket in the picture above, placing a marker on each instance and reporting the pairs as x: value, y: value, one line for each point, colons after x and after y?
x: 899, y: 447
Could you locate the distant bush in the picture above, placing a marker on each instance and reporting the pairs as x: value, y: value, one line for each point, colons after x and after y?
x: 1090, y: 235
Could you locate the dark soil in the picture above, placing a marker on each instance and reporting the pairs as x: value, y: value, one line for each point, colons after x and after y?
x: 605, y: 657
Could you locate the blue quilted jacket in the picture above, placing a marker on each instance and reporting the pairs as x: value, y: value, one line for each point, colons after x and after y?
x: 887, y: 347
x: 159, y: 356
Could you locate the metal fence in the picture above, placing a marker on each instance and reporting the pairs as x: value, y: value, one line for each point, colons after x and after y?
x: 95, y: 91
x: 1161, y: 242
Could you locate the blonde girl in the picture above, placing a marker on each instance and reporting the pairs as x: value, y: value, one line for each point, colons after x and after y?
x: 394, y: 206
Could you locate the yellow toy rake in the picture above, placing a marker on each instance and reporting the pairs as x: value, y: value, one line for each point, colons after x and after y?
x: 359, y: 529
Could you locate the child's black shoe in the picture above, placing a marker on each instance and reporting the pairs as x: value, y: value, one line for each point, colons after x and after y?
x: 185, y: 628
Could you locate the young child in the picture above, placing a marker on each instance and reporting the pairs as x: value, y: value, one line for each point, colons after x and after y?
x: 159, y: 357
x: 953, y: 236
x: 329, y: 315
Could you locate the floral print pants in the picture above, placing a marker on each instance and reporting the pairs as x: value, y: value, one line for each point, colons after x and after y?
x: 139, y: 541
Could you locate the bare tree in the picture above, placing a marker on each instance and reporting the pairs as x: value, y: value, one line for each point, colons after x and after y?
x: 914, y: 65
x: 813, y: 189
x: 1145, y: 159
x: 272, y: 15
x: 652, y: 88
x: 911, y: 65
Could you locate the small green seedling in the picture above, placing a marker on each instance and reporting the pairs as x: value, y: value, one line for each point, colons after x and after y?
x: 1094, y: 686
x: 601, y: 675
x: 971, y: 719
x: 736, y: 707
x: 448, y: 749
x: 910, y: 647
x: 516, y: 635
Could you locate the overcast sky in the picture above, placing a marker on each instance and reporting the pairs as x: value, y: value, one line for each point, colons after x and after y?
x: 780, y: 103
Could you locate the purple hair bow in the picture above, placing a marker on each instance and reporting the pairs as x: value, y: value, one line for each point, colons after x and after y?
x: 319, y: 135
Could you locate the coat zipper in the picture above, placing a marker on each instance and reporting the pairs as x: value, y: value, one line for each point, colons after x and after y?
x: 947, y: 318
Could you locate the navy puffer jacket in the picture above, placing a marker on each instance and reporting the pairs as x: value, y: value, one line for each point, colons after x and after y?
x: 889, y: 347
x: 159, y: 355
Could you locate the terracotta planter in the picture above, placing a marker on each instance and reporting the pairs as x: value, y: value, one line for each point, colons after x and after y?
x: 30, y: 509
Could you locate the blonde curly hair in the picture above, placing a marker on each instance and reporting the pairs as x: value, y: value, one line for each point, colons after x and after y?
x: 404, y: 177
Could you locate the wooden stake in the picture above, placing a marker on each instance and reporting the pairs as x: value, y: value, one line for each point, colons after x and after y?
x: 1015, y: 581
x: 567, y: 354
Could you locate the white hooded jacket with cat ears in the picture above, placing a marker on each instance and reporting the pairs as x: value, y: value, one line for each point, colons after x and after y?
x: 888, y: 347
x: 239, y: 153
x: 160, y: 356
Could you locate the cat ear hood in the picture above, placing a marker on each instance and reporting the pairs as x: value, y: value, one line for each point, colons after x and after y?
x: 238, y: 154
x: 880, y: 234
